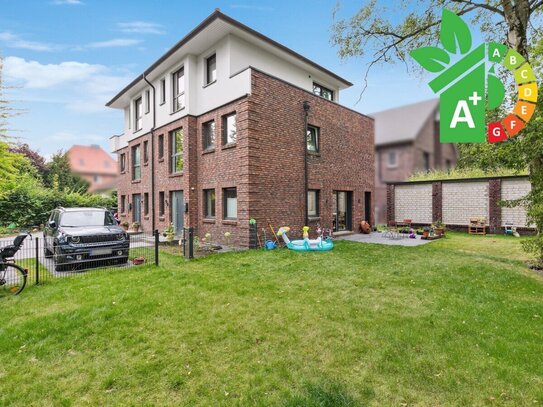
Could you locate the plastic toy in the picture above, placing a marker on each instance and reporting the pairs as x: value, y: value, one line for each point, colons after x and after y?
x: 270, y: 245
x: 306, y: 244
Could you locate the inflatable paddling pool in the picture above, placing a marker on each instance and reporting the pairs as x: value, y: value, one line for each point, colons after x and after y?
x: 305, y: 244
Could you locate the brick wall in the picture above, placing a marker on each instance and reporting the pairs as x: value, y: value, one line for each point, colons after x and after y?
x: 413, y: 202
x: 510, y: 190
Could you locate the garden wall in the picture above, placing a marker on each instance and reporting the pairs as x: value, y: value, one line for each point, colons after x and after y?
x: 456, y: 201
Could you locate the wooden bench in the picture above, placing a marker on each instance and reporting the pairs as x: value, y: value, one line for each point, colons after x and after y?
x: 477, y: 226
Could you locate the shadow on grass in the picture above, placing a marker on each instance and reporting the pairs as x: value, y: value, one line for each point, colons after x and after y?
x: 326, y: 395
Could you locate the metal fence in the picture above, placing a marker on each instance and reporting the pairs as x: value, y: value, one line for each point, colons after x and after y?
x: 88, y: 255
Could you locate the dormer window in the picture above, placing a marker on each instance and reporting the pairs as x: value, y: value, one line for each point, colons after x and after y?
x: 323, y: 92
x: 138, y: 114
x: 211, y: 69
x: 178, y: 79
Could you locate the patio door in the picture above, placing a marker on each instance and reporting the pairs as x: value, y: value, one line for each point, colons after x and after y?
x: 136, y: 210
x: 343, y: 215
x: 177, y: 211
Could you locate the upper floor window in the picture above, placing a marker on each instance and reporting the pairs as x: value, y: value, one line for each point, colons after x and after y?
x: 392, y: 160
x: 122, y: 161
x: 136, y: 163
x: 322, y: 91
x: 163, y: 91
x: 145, y: 152
x: 147, y: 101
x: 426, y: 160
x: 448, y: 164
x: 178, y: 79
x: 211, y: 69
x: 229, y: 133
x: 161, y: 146
x: 138, y: 113
x: 208, y: 135
x: 313, y: 139
x: 176, y: 151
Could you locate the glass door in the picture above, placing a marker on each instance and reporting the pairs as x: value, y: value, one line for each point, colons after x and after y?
x: 178, y: 211
x: 136, y: 211
x: 343, y: 215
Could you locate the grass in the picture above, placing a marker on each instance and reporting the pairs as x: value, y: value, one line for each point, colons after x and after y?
x: 460, y: 173
x: 457, y: 322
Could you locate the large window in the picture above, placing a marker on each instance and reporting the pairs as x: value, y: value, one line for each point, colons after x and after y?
x: 322, y: 91
x: 145, y: 152
x: 138, y: 113
x: 211, y: 69
x: 229, y: 134
x: 161, y: 146
x: 176, y: 151
x: 136, y: 163
x: 209, y: 203
x: 208, y: 135
x: 313, y: 203
x: 178, y: 81
x: 163, y: 91
x: 392, y: 160
x: 122, y: 160
x: 313, y: 139
x: 230, y: 203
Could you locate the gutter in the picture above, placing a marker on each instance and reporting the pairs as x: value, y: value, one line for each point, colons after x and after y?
x: 153, y: 220
x: 306, y: 108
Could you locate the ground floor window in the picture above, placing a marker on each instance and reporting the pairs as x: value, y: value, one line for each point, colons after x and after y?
x: 230, y: 197
x: 161, y: 203
x: 209, y: 201
x: 146, y: 204
x: 123, y: 203
x: 313, y: 203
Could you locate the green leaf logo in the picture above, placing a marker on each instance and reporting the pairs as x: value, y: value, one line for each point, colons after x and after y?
x: 454, y: 31
x: 431, y: 58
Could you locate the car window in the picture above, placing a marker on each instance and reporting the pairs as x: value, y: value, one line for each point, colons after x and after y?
x: 87, y: 218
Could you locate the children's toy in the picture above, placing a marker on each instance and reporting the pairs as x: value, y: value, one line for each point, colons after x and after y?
x: 412, y: 234
x: 509, y: 229
x: 306, y: 244
x: 269, y: 245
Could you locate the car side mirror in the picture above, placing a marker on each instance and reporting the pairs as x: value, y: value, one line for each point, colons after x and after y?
x: 52, y: 224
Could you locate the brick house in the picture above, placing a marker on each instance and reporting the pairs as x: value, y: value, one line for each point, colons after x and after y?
x: 406, y: 142
x: 229, y: 125
x: 95, y: 165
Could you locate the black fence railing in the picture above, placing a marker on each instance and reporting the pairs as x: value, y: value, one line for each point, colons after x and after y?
x: 43, y: 262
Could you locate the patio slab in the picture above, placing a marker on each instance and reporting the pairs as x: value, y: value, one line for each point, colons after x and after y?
x: 378, y: 238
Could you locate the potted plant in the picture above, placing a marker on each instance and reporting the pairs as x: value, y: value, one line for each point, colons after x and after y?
x: 426, y: 232
x: 169, y: 233
x: 125, y: 225
x: 135, y: 227
x: 439, y: 228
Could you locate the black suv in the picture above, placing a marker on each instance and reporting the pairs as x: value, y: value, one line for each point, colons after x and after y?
x: 79, y: 236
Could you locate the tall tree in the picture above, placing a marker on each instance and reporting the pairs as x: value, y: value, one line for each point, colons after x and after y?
x: 61, y: 177
x: 35, y: 158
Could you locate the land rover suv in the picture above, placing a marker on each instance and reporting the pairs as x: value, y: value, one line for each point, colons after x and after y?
x: 84, y: 237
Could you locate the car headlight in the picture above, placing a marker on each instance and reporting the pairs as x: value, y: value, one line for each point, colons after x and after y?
x: 75, y: 239
x: 120, y: 236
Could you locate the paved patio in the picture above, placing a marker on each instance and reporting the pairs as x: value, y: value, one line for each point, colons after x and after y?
x: 378, y: 238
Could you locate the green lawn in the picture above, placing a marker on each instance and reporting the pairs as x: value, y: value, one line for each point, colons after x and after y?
x: 457, y: 322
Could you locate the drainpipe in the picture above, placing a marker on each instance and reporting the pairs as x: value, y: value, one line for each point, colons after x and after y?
x: 306, y: 108
x: 153, y: 221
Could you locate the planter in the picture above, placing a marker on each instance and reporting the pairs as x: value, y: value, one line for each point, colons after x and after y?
x: 425, y: 234
x: 439, y: 231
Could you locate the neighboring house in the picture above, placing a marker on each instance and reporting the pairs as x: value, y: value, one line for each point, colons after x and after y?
x: 214, y: 135
x: 406, y: 142
x: 95, y: 165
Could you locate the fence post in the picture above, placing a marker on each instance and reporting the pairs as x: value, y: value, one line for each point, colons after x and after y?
x: 191, y: 241
x: 156, y: 246
x: 37, y: 260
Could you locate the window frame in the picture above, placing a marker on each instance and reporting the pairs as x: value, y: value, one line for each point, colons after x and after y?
x: 145, y: 152
x: 146, y: 204
x: 205, y: 138
x: 321, y: 91
x: 208, y: 81
x: 173, y: 153
x: 147, y: 101
x: 316, y: 194
x: 162, y: 91
x: 135, y: 164
x: 426, y: 161
x: 123, y: 203
x: 393, y: 163
x: 161, y: 204
x: 225, y: 205
x: 138, y: 114
x: 176, y: 95
x: 210, y: 213
x: 122, y: 162
x: 160, y: 142
x: 224, y: 129
x: 317, y: 139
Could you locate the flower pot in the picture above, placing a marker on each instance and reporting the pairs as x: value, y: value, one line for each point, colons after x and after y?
x: 439, y: 231
x: 425, y: 233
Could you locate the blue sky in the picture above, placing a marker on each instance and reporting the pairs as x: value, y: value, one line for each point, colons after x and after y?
x: 69, y: 57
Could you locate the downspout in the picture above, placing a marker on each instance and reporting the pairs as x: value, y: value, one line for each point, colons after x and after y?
x: 153, y: 220
x: 306, y: 194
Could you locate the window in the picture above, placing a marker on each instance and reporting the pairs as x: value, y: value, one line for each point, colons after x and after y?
x: 129, y: 117
x: 145, y: 152
x: 96, y: 178
x: 146, y: 204
x: 313, y: 139
x: 208, y: 135
x: 209, y: 203
x: 163, y: 91
x: 392, y: 161
x: 426, y: 160
x: 123, y: 203
x: 136, y: 163
x: 123, y: 162
x: 147, y: 101
x: 161, y: 203
x: 138, y: 114
x: 161, y: 147
x: 448, y: 164
x: 322, y: 91
x: 211, y: 69
x: 313, y: 203
x: 229, y: 135
x: 178, y: 79
x: 230, y: 209
x: 176, y: 151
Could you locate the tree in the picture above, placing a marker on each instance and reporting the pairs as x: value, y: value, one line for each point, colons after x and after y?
x: 35, y: 158
x: 6, y: 110
x: 500, y: 21
x: 60, y: 176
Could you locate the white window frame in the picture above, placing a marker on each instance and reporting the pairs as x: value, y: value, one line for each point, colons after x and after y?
x: 162, y: 91
x: 178, y: 98
x: 207, y: 80
x: 138, y: 114
x: 313, y: 203
x: 392, y: 163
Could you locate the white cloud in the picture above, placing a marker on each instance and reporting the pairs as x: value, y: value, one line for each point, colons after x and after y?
x: 79, y: 86
x: 67, y: 2
x: 140, y: 27
x: 116, y: 42
x: 15, y: 41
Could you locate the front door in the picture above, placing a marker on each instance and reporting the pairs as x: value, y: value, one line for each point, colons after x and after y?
x: 136, y: 210
x: 343, y: 215
x: 367, y: 207
x: 178, y: 210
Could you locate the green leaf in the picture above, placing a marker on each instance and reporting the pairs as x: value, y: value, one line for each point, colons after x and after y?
x: 431, y: 58
x: 454, y: 31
